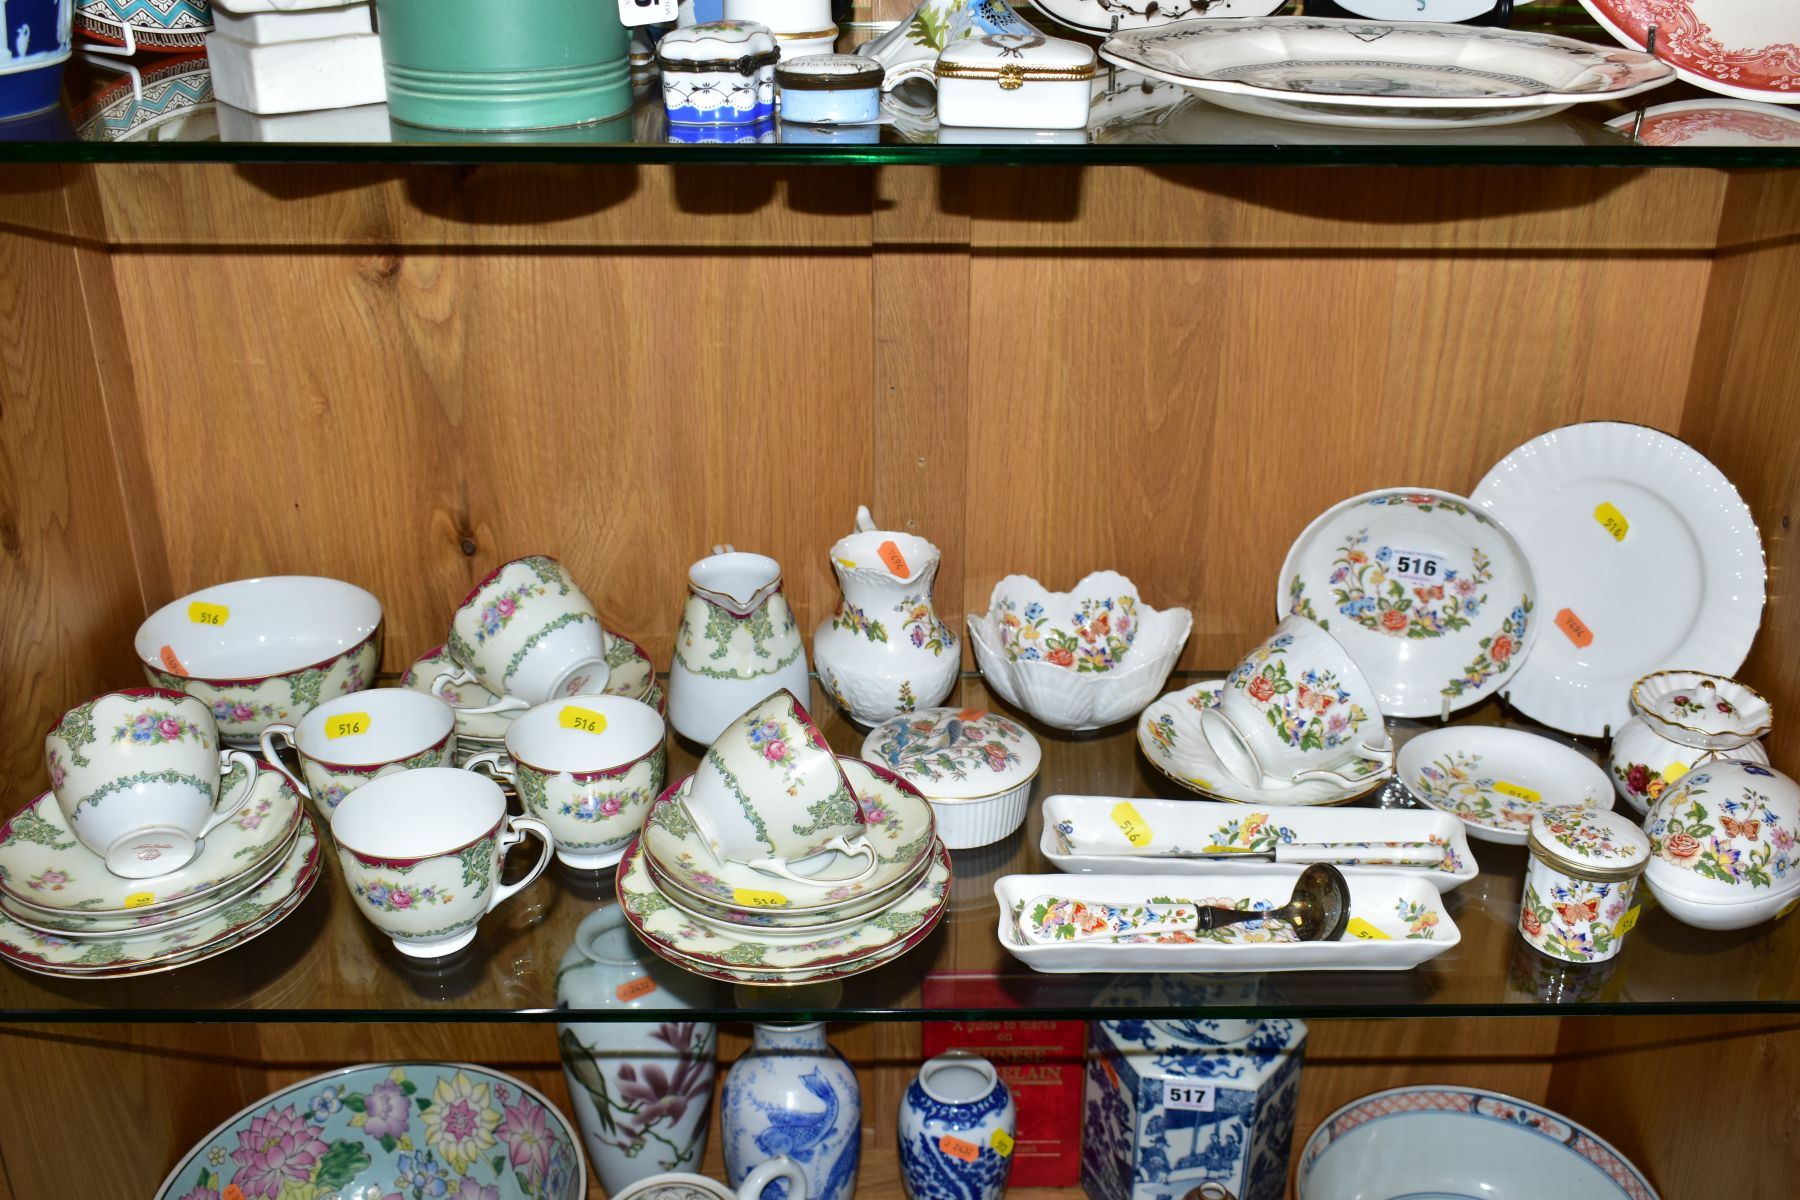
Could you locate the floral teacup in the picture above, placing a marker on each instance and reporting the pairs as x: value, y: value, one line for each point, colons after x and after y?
x: 421, y: 853
x: 358, y: 738
x: 137, y: 775
x: 770, y: 794
x: 588, y: 767
x: 528, y: 634
x: 1296, y: 708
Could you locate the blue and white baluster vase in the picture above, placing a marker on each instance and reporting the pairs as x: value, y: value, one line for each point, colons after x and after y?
x: 641, y: 1090
x: 793, y: 1094
x: 957, y: 1125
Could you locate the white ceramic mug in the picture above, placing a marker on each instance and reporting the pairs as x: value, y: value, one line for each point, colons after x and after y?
x: 527, y: 634
x: 137, y: 775
x: 421, y: 853
x: 358, y: 738
x: 588, y: 767
x: 1297, y: 708
x: 769, y: 793
x: 691, y: 1187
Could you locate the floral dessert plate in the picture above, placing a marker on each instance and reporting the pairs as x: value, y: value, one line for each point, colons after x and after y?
x: 1646, y: 556
x: 1699, y: 123
x: 1396, y: 922
x: 1395, y: 75
x: 391, y: 1129
x: 1439, y: 1140
x: 897, y: 819
x: 1169, y: 735
x: 1700, y: 711
x: 630, y: 673
x: 1496, y: 780
x: 48, y: 954
x: 1430, y: 596
x: 671, y: 933
x: 44, y: 868
x: 1118, y: 836
x: 1744, y: 48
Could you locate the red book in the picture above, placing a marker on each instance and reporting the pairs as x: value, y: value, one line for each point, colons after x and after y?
x: 1041, y: 1064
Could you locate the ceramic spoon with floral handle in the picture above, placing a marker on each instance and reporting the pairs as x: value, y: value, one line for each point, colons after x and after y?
x: 1318, y: 912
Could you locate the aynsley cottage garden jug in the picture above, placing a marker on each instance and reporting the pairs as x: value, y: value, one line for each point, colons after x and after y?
x: 737, y: 644
x: 884, y: 651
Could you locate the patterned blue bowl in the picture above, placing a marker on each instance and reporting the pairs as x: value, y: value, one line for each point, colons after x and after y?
x: 416, y: 1128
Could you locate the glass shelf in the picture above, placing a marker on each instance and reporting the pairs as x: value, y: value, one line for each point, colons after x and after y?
x: 161, y: 108
x: 325, y: 963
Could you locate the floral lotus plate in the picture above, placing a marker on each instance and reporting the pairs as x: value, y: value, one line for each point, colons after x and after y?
x: 44, y: 868
x: 1395, y: 75
x: 1744, y: 48
x: 1169, y: 735
x: 1646, y: 556
x: 1698, y: 123
x: 1440, y: 1140
x: 1088, y: 835
x: 1429, y: 595
x: 160, y: 950
x: 1496, y: 780
x: 900, y: 826
x: 390, y: 1129
x: 670, y: 932
x: 1398, y: 921
x: 630, y: 674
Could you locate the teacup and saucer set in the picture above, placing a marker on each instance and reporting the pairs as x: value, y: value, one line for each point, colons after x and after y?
x: 524, y: 635
x: 779, y: 862
x: 153, y: 848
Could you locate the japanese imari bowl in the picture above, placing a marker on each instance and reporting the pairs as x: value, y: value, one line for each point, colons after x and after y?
x: 408, y: 1129
x: 1722, y: 852
x: 258, y: 651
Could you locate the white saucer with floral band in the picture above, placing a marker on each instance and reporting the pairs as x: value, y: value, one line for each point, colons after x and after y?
x: 1647, y: 557
x: 1497, y: 780
x: 44, y: 868
x: 1428, y: 594
x: 1169, y: 734
x: 630, y: 673
x: 258, y: 911
x: 673, y: 935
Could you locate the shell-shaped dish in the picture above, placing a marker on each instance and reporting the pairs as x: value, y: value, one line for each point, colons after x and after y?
x: 1706, y: 712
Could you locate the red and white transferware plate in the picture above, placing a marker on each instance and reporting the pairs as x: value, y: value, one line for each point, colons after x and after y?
x: 1744, y: 48
x: 1701, y: 123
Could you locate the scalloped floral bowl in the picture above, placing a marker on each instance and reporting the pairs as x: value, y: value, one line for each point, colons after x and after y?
x: 409, y: 1129
x: 1722, y: 845
x: 1705, y: 712
x: 1108, y: 676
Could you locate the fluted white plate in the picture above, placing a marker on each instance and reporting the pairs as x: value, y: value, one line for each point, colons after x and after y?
x: 1683, y: 587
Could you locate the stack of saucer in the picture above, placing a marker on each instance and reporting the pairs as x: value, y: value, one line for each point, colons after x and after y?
x: 778, y: 862
x: 530, y: 632
x: 63, y: 913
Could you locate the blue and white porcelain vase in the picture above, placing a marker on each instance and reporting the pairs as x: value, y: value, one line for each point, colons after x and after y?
x: 641, y: 1091
x: 957, y: 1125
x: 793, y: 1094
x: 1195, y: 1108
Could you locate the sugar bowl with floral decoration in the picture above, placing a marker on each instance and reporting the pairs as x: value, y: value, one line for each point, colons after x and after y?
x: 975, y: 767
x: 1722, y: 850
x: 1581, y: 882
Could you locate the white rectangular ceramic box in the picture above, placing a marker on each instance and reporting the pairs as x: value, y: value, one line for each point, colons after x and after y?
x: 1015, y: 81
x: 338, y: 72
x: 267, y: 28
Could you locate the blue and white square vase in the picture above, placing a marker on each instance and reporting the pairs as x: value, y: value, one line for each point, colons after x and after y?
x: 1198, y: 1108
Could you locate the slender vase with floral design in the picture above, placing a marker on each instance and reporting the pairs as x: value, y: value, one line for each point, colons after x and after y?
x: 884, y: 651
x: 641, y: 1090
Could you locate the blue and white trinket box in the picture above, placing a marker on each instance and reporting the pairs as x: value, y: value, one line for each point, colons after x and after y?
x: 718, y: 73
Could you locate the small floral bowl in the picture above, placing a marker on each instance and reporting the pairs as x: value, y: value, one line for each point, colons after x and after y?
x: 1705, y: 712
x: 1722, y: 845
x: 1077, y: 660
x: 413, y: 1129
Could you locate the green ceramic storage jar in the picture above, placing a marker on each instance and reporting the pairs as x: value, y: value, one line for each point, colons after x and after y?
x: 514, y: 64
